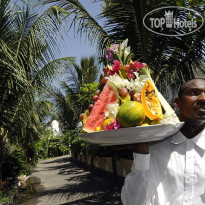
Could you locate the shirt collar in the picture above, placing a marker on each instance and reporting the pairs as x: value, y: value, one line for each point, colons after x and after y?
x: 199, y: 139
x: 178, y: 138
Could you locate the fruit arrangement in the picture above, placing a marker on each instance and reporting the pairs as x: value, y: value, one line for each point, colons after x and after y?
x: 128, y: 96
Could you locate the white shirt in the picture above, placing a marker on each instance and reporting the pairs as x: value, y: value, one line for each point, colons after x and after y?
x: 172, y: 174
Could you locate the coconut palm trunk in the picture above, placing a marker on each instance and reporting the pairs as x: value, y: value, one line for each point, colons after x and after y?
x: 1, y: 165
x: 2, y: 143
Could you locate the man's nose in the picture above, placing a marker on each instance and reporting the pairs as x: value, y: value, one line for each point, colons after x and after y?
x: 202, y: 96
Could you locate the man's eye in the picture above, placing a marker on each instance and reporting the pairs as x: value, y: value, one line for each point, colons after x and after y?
x: 194, y: 92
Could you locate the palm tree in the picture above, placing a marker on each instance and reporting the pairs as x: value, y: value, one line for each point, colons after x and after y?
x: 172, y: 60
x: 28, y: 51
x: 86, y: 72
x: 30, y: 125
x: 67, y: 97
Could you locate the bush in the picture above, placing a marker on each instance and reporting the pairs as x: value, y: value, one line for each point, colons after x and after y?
x: 14, y: 162
x: 6, y: 197
x: 52, y: 146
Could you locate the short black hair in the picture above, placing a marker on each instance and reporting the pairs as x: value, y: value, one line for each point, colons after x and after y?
x: 182, y: 88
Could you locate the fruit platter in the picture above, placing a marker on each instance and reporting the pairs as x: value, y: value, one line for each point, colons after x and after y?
x: 128, y: 108
x: 132, y: 135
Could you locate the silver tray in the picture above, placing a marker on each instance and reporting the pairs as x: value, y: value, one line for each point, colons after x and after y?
x: 132, y: 135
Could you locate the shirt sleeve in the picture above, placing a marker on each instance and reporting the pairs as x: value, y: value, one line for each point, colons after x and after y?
x: 137, y: 186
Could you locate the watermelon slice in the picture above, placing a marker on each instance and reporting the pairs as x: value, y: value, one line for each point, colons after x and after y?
x: 109, y: 95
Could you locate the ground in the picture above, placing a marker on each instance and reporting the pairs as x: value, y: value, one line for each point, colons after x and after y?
x: 68, y: 182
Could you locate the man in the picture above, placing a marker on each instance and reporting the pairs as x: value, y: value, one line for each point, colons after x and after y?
x: 172, y: 172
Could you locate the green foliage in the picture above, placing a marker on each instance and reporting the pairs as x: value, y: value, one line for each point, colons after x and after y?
x: 64, y: 144
x: 71, y: 99
x: 28, y: 58
x: 15, y: 162
x: 29, y: 47
x: 86, y: 93
x: 6, y: 196
x: 52, y: 146
x: 76, y: 143
x: 172, y: 60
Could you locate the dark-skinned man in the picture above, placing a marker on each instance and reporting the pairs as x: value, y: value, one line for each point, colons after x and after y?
x: 172, y: 172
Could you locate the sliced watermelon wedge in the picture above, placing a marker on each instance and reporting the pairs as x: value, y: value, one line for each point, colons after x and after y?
x: 109, y: 95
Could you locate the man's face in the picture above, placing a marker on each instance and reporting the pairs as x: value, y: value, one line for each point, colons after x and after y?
x: 192, y: 103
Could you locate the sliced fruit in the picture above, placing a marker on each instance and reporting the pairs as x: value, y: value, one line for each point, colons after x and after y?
x: 109, y: 95
x: 169, y: 112
x: 167, y: 108
x: 131, y: 114
x: 151, y: 102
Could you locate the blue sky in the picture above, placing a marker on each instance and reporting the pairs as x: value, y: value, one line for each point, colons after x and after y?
x: 73, y: 46
x: 76, y: 47
x: 79, y: 47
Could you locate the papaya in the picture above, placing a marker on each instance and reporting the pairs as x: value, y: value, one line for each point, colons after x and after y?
x: 151, y: 102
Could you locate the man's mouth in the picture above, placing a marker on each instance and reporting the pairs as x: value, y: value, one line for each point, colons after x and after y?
x: 200, y: 108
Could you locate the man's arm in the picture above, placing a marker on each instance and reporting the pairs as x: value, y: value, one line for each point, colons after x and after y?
x: 137, y: 186
x: 142, y: 148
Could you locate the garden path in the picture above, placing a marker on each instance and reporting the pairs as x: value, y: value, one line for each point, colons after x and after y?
x: 68, y: 182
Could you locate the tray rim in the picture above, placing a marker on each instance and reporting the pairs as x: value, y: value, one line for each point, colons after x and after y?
x: 88, y: 136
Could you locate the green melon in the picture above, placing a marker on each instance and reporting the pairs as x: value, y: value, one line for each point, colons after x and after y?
x: 131, y: 114
x: 109, y: 95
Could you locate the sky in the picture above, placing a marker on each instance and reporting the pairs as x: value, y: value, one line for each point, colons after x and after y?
x: 75, y: 47
x: 79, y: 47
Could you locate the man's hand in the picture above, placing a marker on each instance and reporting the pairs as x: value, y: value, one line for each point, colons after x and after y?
x: 140, y: 148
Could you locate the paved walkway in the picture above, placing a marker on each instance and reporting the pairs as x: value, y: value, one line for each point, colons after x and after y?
x: 68, y: 182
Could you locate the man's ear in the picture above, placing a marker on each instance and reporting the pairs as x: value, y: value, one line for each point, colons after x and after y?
x: 176, y: 102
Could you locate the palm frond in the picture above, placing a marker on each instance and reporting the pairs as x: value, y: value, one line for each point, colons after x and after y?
x: 84, y: 23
